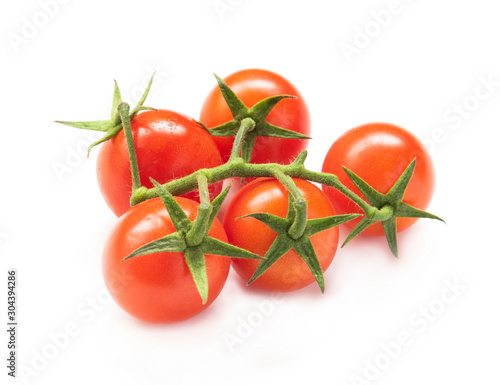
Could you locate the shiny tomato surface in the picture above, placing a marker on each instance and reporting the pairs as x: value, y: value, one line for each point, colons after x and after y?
x: 252, y: 86
x: 266, y: 195
x: 158, y: 287
x: 379, y: 153
x: 168, y: 145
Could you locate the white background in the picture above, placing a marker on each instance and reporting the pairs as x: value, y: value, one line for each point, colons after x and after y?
x: 427, y: 61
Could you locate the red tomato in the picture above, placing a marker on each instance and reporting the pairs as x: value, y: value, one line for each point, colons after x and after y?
x: 268, y: 195
x: 379, y: 153
x: 251, y: 86
x: 168, y: 145
x: 158, y: 287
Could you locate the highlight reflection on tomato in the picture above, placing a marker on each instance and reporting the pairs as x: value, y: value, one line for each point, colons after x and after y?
x: 379, y: 153
x: 168, y: 145
x: 268, y: 195
x: 158, y: 287
x: 252, y: 86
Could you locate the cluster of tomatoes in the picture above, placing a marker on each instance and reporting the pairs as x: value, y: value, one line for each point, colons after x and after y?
x: 159, y: 287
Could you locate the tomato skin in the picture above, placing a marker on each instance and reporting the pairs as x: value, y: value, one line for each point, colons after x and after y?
x: 268, y: 195
x: 168, y: 145
x: 158, y: 288
x: 251, y: 86
x: 379, y: 153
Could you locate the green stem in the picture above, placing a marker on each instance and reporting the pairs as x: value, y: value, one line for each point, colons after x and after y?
x: 203, y: 189
x: 332, y: 180
x: 197, y: 233
x: 384, y: 213
x: 124, y: 110
x: 246, y: 125
x: 298, y: 226
x: 237, y: 168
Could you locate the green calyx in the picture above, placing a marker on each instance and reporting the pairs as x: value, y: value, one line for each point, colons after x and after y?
x: 257, y: 114
x: 191, y: 237
x: 294, y: 232
x: 388, y: 206
x: 112, y: 126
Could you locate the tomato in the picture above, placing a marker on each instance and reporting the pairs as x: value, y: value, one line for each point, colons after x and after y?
x: 168, y: 145
x: 158, y: 287
x: 268, y: 195
x: 379, y: 153
x: 251, y: 86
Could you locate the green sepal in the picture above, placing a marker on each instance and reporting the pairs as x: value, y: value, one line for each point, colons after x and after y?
x: 258, y: 113
x: 110, y: 134
x: 317, y: 225
x: 203, y: 126
x: 373, y: 196
x: 261, y: 109
x: 306, y: 251
x: 96, y: 125
x: 363, y: 224
x: 113, y: 126
x: 281, y: 245
x: 404, y: 210
x: 192, y: 238
x: 274, y: 222
x: 195, y: 259
x: 214, y: 246
x: 390, y: 234
x: 227, y: 129
x: 268, y: 129
x: 284, y: 242
x: 171, y: 243
x: 397, y: 191
x: 236, y: 106
x: 117, y: 100
x: 217, y: 204
x: 139, y: 106
x: 389, y: 206
x: 179, y: 218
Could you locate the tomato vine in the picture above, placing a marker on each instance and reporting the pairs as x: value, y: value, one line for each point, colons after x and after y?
x: 294, y: 231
